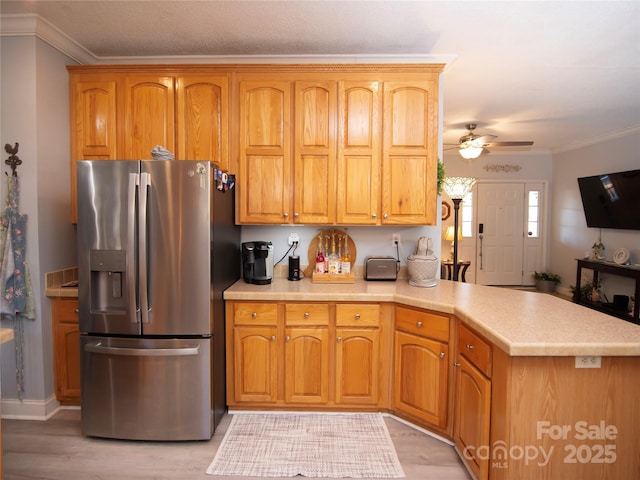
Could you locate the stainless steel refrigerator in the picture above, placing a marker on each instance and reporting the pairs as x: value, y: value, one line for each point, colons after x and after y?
x: 157, y: 247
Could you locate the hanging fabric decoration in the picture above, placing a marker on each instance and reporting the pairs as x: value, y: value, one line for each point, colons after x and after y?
x: 16, y: 299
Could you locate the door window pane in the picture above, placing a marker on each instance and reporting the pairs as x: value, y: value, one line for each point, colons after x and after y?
x: 533, y: 214
x: 466, y: 208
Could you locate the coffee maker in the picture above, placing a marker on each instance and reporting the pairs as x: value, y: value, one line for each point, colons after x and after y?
x: 257, y: 262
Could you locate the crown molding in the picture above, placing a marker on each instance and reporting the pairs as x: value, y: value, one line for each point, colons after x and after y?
x: 598, y: 139
x: 445, y: 60
x: 30, y: 24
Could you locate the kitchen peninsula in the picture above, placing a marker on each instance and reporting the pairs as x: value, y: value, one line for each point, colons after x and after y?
x: 527, y: 385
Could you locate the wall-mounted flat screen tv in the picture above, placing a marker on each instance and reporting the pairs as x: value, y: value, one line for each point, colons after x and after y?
x: 612, y: 200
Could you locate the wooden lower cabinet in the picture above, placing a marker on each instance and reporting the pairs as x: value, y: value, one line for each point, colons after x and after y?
x: 306, y: 365
x: 472, y: 402
x: 255, y: 364
x: 472, y: 415
x: 579, y: 423
x: 421, y: 372
x: 357, y: 366
x: 66, y: 349
x: 324, y: 355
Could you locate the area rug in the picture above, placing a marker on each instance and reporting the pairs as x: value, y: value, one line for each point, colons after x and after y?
x: 311, y: 445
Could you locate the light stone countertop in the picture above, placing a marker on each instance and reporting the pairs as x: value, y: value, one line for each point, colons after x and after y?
x: 522, y: 323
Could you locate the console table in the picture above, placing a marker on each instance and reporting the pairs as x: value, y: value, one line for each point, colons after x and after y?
x: 462, y: 269
x: 631, y: 271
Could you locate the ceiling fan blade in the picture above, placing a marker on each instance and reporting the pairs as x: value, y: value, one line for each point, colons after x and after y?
x: 484, y: 138
x: 509, y: 144
x: 485, y: 151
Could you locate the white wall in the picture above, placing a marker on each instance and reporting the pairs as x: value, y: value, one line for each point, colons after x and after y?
x: 570, y: 236
x: 35, y: 113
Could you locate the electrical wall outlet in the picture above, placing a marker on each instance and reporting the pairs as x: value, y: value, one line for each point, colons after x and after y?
x: 588, y: 361
x: 395, y: 240
x: 293, y: 238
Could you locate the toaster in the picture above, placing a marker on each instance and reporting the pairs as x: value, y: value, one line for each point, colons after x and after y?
x: 380, y: 268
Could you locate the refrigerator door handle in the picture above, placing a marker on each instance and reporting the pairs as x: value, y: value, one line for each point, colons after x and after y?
x: 143, y: 193
x: 134, y: 308
x: 141, y: 352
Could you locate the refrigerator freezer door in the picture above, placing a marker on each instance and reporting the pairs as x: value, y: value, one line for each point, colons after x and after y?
x: 146, y: 389
x: 107, y: 235
x: 178, y: 248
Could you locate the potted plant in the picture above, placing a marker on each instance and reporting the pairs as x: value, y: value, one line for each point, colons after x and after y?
x: 546, y: 282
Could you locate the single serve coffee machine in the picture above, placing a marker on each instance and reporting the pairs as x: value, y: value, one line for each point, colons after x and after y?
x: 257, y: 262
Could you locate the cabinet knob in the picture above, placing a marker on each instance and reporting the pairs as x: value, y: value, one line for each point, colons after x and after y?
x: 469, y: 347
x: 441, y: 355
x: 456, y: 364
x: 357, y: 316
x: 385, y: 216
x: 77, y: 310
x: 254, y: 315
x: 306, y: 315
x: 287, y: 338
x: 273, y: 338
x: 285, y: 215
x: 296, y: 214
x: 418, y: 324
x: 374, y: 215
x: 339, y: 339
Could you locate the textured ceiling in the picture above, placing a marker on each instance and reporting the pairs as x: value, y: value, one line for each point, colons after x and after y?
x: 562, y: 74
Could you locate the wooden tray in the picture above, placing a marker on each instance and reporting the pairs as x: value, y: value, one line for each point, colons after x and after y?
x: 313, y: 245
x: 333, y: 278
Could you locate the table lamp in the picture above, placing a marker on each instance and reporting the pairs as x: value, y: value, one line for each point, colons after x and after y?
x: 449, y: 235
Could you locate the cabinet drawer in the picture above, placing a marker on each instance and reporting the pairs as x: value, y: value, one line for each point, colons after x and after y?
x: 475, y: 349
x: 306, y: 314
x: 424, y: 324
x: 65, y: 310
x: 255, y: 314
x: 357, y: 315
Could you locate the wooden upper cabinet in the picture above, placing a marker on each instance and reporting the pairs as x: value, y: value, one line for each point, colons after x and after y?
x: 314, y: 161
x: 93, y: 123
x: 149, y: 115
x: 359, y: 152
x: 202, y: 118
x: 265, y: 152
x: 409, y: 158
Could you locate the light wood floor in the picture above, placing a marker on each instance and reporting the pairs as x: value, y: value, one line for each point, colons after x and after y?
x: 56, y: 450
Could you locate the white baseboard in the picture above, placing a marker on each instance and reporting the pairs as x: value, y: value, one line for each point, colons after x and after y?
x: 15, y: 409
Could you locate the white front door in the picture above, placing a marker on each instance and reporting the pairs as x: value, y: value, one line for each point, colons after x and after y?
x: 501, y: 215
x: 509, y: 248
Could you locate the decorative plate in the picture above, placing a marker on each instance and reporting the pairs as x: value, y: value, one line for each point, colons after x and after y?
x: 621, y: 256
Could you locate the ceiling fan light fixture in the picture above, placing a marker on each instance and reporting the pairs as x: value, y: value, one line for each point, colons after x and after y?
x: 470, y: 152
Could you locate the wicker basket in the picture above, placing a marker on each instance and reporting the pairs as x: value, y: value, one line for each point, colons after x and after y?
x: 423, y: 270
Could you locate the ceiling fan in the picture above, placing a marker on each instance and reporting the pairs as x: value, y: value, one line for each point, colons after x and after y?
x: 472, y: 146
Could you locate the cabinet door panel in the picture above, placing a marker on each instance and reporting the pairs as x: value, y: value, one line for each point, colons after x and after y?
x: 357, y: 366
x: 314, y: 161
x: 424, y: 359
x: 66, y: 337
x: 265, y: 152
x: 149, y: 115
x: 409, y: 158
x: 472, y: 410
x: 203, y: 119
x: 255, y: 364
x: 93, y: 127
x: 358, y: 153
x: 306, y: 360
